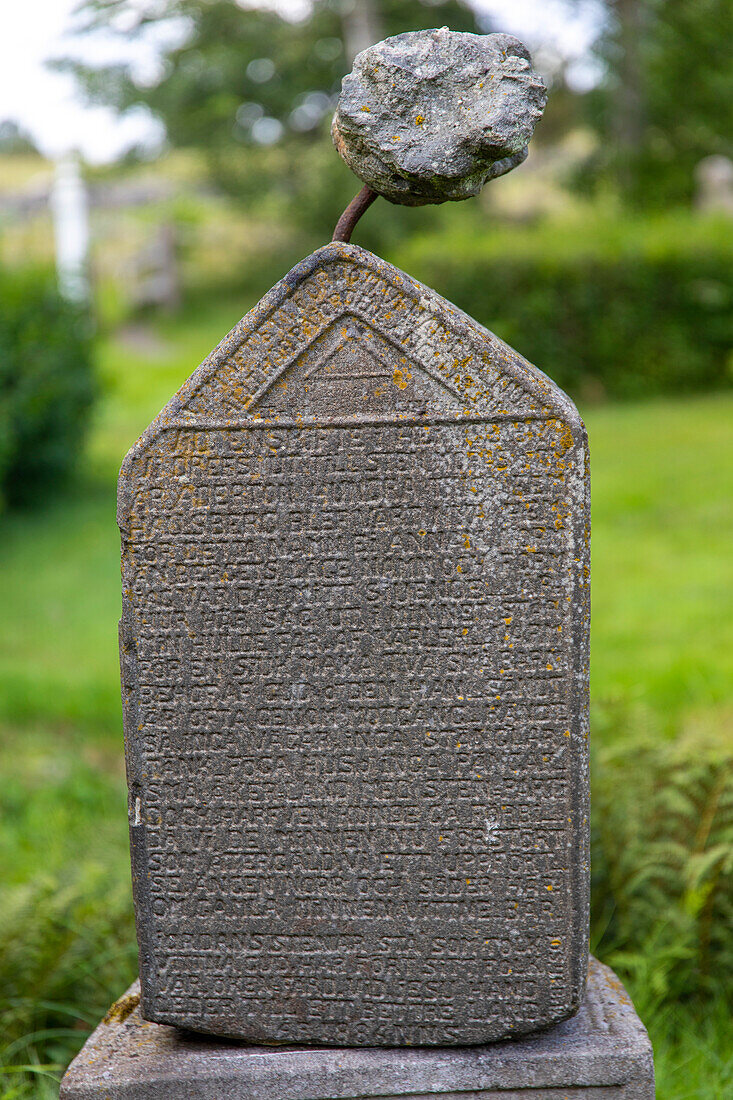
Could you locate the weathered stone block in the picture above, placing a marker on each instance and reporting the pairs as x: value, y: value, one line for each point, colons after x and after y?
x: 432, y: 115
x: 355, y: 654
x: 603, y: 1053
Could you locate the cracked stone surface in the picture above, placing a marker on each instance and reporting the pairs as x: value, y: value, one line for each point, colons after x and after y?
x: 431, y: 116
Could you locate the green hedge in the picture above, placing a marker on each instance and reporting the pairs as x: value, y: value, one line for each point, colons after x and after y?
x: 662, y: 866
x: 46, y: 383
x: 606, y: 306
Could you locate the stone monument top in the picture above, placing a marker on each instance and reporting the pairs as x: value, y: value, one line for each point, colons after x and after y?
x: 433, y: 115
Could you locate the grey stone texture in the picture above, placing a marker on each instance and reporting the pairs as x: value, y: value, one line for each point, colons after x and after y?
x: 433, y: 115
x: 603, y: 1053
x: 354, y: 651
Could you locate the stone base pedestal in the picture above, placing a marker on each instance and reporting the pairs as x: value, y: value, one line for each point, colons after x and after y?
x: 603, y: 1053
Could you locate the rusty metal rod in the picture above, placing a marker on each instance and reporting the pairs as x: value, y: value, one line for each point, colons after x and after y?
x: 352, y: 213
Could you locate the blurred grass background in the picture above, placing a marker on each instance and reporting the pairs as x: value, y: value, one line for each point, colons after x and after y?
x: 621, y: 291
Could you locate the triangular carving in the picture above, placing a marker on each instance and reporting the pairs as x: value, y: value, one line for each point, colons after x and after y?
x: 353, y: 370
x: 410, y: 353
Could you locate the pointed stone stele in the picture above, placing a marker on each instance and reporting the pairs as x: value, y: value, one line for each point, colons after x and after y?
x: 603, y: 1053
x: 355, y: 657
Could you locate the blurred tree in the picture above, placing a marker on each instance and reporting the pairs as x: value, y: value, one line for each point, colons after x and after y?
x: 252, y: 90
x: 14, y: 140
x: 667, y: 98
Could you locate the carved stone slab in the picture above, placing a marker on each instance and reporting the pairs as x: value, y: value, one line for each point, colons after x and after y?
x: 355, y: 653
x: 603, y: 1053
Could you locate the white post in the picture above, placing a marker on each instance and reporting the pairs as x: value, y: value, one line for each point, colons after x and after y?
x: 361, y: 24
x: 70, y: 210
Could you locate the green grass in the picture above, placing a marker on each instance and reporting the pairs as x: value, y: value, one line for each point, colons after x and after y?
x: 662, y: 661
x: 693, y: 1059
x: 662, y: 484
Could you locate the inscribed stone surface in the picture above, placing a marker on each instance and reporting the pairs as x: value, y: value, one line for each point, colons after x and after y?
x: 602, y: 1053
x: 354, y: 650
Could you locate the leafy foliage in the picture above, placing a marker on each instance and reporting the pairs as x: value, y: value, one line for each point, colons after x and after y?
x: 68, y: 945
x: 608, y: 306
x: 663, y: 866
x: 69, y: 941
x: 46, y: 383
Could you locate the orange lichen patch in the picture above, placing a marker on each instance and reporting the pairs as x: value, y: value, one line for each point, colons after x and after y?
x: 565, y: 441
x: 613, y: 983
x: 122, y: 1008
x: 562, y: 511
x: 401, y: 378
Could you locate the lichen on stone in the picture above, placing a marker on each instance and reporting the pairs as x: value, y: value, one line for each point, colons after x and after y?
x: 431, y: 116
